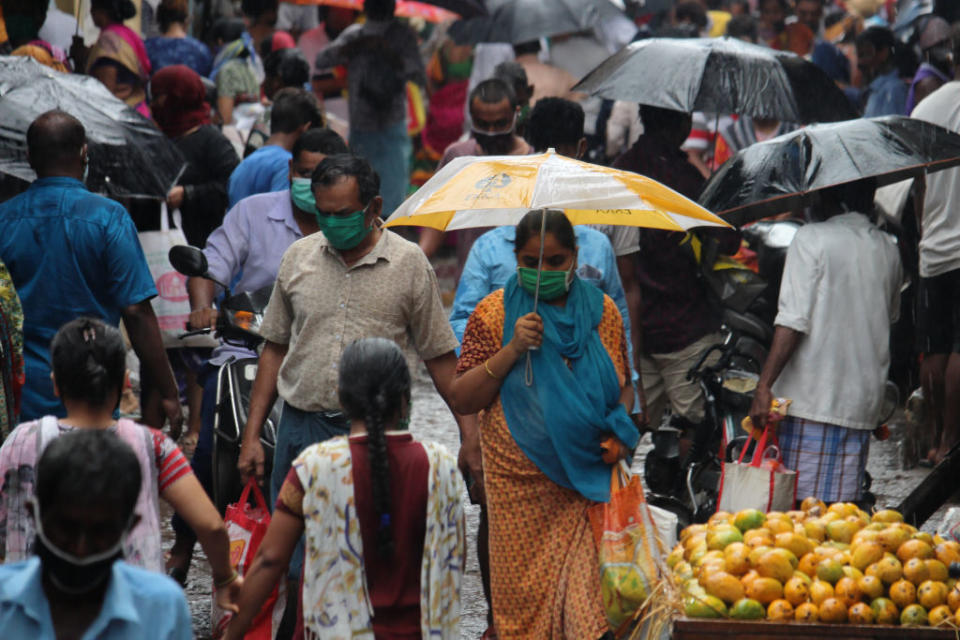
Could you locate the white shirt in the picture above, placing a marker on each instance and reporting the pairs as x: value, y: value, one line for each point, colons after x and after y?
x: 841, y: 289
x: 58, y: 28
x: 940, y: 237
x: 624, y: 240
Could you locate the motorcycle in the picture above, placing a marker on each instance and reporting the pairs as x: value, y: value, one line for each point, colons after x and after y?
x: 238, y: 324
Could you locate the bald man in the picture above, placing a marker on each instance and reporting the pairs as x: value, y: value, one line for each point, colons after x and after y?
x: 74, y: 253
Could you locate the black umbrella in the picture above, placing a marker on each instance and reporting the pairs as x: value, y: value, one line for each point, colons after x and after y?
x: 464, y: 8
x: 719, y: 75
x: 785, y: 173
x: 517, y: 21
x: 129, y: 157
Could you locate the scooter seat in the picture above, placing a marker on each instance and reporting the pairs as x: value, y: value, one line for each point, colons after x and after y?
x: 747, y: 324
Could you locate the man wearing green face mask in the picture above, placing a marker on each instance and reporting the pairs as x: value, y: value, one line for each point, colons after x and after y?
x: 355, y: 280
x: 248, y: 245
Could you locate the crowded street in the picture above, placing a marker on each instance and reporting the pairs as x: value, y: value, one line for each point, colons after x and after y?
x: 479, y: 319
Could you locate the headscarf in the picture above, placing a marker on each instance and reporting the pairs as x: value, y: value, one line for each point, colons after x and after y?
x: 123, y: 47
x: 179, y: 100
x: 41, y: 54
x: 558, y: 421
x: 239, y: 48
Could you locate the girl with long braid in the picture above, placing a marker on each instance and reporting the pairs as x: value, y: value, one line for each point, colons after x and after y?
x: 383, y: 517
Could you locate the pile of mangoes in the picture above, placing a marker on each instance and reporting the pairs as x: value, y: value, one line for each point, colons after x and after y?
x: 833, y: 564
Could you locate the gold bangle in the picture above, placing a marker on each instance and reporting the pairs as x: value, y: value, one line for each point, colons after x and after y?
x: 487, y: 368
x: 225, y: 583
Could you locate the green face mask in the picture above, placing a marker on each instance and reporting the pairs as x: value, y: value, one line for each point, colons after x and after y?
x: 344, y: 232
x: 302, y: 194
x: 524, y: 114
x: 553, y: 284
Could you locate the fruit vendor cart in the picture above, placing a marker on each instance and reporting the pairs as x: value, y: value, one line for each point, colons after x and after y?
x: 818, y: 572
x: 690, y: 629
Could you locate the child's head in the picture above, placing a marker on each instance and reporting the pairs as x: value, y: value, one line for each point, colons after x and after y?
x: 89, y: 363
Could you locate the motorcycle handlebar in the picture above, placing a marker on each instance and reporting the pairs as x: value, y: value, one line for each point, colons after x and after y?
x: 198, y: 332
x: 694, y: 371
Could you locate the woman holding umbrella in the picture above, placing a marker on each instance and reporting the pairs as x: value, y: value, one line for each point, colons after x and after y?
x: 541, y: 430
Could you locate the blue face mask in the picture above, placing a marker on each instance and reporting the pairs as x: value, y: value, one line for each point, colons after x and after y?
x: 301, y: 192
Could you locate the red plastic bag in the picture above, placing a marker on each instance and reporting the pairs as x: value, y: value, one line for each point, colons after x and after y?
x: 246, y: 526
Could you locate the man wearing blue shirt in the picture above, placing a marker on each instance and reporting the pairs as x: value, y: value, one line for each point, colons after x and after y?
x: 78, y: 586
x: 886, y: 95
x: 267, y: 169
x: 73, y: 253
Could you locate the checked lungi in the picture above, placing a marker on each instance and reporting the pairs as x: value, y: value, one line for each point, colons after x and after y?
x: 830, y: 461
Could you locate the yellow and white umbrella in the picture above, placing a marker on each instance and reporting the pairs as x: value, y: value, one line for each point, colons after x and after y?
x: 493, y: 191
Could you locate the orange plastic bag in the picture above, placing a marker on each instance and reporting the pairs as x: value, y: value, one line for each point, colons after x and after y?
x: 628, y: 547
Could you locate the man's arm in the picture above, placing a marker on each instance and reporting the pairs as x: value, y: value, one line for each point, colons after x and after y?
x: 202, y: 313
x: 785, y: 342
x: 443, y: 370
x: 262, y: 397
x: 801, y: 276
x: 144, y: 332
x: 333, y: 54
x: 227, y: 249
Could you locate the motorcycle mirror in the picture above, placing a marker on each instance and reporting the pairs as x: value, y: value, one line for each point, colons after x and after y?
x: 189, y: 261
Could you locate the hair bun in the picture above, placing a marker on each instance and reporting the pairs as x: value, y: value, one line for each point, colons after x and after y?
x: 126, y: 9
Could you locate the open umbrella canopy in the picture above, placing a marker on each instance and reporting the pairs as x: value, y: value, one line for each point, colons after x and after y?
x: 494, y: 191
x: 786, y: 172
x: 429, y: 10
x: 719, y: 75
x: 129, y: 157
x: 517, y: 21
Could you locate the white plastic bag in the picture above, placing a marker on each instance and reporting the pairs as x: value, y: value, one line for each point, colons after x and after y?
x: 172, y: 304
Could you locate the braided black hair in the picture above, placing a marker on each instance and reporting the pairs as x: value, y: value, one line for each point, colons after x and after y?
x: 89, y: 361
x: 374, y: 382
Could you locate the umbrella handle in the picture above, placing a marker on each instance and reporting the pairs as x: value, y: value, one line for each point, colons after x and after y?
x: 528, y: 371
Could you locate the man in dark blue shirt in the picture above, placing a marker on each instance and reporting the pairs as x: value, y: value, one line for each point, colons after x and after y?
x: 73, y: 253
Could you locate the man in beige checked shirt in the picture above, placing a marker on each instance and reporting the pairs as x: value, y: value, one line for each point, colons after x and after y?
x: 355, y: 280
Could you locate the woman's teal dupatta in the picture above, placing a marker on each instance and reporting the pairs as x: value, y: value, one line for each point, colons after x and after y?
x: 560, y: 420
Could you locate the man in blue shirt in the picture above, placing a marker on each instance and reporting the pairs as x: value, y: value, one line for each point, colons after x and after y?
x: 886, y: 95
x: 78, y: 585
x: 266, y: 169
x: 72, y: 253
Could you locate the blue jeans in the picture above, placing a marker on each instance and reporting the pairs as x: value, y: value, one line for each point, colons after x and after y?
x: 388, y: 152
x: 203, y: 454
x: 297, y: 431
